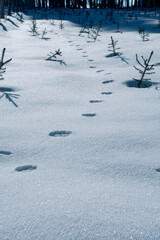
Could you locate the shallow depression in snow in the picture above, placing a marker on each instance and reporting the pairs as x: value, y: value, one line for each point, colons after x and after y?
x: 62, y: 133
x: 25, y: 168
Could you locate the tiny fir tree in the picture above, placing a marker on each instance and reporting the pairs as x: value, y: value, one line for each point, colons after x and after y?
x: 117, y: 25
x: 95, y: 32
x: 2, y: 63
x: 112, y: 47
x: 159, y: 21
x: 54, y: 55
x: 143, y: 34
x: 8, y: 96
x: 44, y: 32
x: 52, y: 22
x: 146, y: 69
x: 84, y: 30
x: 21, y: 19
x: 61, y: 25
x: 34, y: 27
x: 91, y: 23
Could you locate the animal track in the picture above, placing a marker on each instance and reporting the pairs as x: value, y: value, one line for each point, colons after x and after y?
x: 5, y: 153
x: 109, y: 81
x: 158, y: 170
x: 25, y: 168
x: 89, y: 114
x: 106, y: 93
x: 79, y: 49
x: 62, y: 133
x: 96, y: 101
x: 107, y: 73
x: 90, y: 60
x: 84, y: 56
x: 102, y: 70
x: 92, y: 66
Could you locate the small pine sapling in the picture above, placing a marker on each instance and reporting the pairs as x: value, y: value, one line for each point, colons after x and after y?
x: 143, y: 34
x: 34, y: 27
x: 159, y: 21
x: 84, y: 30
x: 95, y: 32
x: 112, y: 47
x: 21, y: 19
x: 87, y: 15
x: 44, y: 32
x: 91, y: 23
x: 2, y: 63
x: 45, y: 16
x: 9, y: 96
x: 54, y: 55
x: 61, y: 25
x: 118, y: 28
x: 146, y: 69
x: 52, y: 22
x: 155, y: 14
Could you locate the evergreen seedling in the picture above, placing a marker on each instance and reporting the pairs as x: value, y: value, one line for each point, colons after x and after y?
x: 143, y: 34
x: 2, y: 63
x: 84, y: 30
x: 52, y: 22
x: 44, y: 32
x: 21, y: 19
x: 54, y: 55
x: 159, y: 21
x: 112, y: 47
x: 146, y: 69
x: 118, y: 27
x: 95, y: 32
x: 91, y: 23
x: 34, y: 27
x: 61, y: 25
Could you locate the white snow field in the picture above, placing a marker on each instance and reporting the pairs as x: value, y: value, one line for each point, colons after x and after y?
x: 79, y: 148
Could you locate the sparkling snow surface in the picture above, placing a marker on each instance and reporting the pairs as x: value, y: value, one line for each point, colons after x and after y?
x: 92, y: 141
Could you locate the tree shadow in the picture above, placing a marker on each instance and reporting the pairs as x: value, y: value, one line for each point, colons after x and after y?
x: 145, y: 84
x: 118, y: 55
x: 123, y: 58
x: 59, y: 61
x: 9, y: 20
x: 46, y: 38
x: 3, y: 27
x: 7, y: 93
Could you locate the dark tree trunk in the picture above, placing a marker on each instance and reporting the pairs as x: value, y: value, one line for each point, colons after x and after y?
x: 43, y: 3
x: 90, y: 3
x: 39, y: 3
x: 68, y: 5
x: 9, y: 7
x: 84, y: 4
x: 1, y: 8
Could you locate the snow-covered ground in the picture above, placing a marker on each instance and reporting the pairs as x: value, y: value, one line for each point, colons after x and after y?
x: 91, y: 144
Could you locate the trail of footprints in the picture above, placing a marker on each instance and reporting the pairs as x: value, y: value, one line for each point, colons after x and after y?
x: 66, y: 133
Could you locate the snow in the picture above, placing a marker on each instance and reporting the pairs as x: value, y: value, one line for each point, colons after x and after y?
x: 91, y: 140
